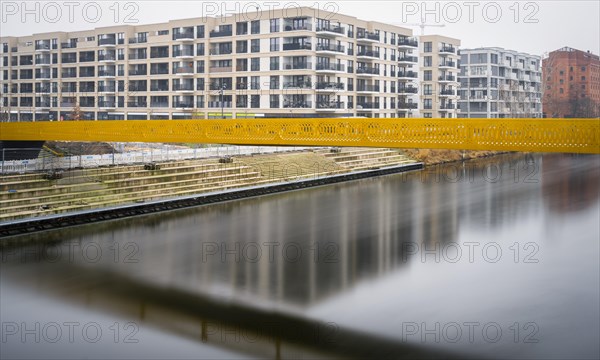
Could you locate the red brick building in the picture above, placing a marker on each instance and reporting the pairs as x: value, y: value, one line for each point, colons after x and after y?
x: 571, y: 84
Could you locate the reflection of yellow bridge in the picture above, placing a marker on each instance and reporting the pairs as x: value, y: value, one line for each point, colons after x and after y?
x: 538, y: 135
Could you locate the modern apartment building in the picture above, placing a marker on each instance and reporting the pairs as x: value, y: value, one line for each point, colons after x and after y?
x: 438, y: 76
x: 499, y: 83
x: 571, y: 84
x: 300, y: 62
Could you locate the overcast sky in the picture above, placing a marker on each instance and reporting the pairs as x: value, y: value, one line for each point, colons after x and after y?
x: 535, y: 27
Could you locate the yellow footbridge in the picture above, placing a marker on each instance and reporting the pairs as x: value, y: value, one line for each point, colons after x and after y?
x: 532, y: 135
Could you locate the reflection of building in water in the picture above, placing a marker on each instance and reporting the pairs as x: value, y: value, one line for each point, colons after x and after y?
x: 570, y: 183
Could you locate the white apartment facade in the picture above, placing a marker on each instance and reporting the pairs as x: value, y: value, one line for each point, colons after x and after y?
x: 277, y: 63
x: 499, y: 83
x: 438, y: 76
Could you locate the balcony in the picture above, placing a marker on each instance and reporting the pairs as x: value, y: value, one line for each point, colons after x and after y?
x: 407, y: 74
x: 43, y: 75
x: 330, y: 86
x: 183, y: 53
x: 184, y: 70
x: 221, y: 69
x: 367, y: 36
x: 331, y: 30
x: 408, y: 90
x: 106, y: 88
x: 219, y: 104
x: 408, y: 59
x: 297, y: 85
x: 138, y: 56
x: 217, y: 51
x: 67, y: 104
x: 297, y: 27
x: 330, y: 67
x: 448, y: 49
x: 408, y: 43
x: 187, y: 87
x: 42, y: 104
x: 107, y: 42
x: 367, y: 71
x: 447, y: 92
x: 138, y: 72
x: 184, y: 36
x: 106, y: 104
x: 297, y: 46
x: 407, y: 106
x: 137, y: 104
x: 447, y: 78
x: 367, y: 105
x: 159, y: 104
x: 141, y: 40
x: 298, y: 66
x: 330, y: 106
x: 448, y: 64
x: 106, y: 73
x: 222, y: 33
x: 106, y: 58
x: 368, y: 54
x: 301, y: 104
x: 67, y: 45
x: 330, y: 48
x: 44, y: 46
x: 448, y: 106
x: 183, y: 104
x: 368, y: 88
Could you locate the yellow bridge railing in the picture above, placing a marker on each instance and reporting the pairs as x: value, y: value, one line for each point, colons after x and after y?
x: 534, y: 135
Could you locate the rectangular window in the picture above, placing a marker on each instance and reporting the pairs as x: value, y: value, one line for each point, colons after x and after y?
x: 255, y: 101
x: 274, y: 25
x: 427, y: 75
x: 255, y: 45
x: 428, y: 61
x: 274, y: 83
x: 428, y: 104
x: 274, y: 101
x: 427, y: 89
x: 274, y: 63
x: 255, y: 27
x: 241, y: 28
x: 255, y: 64
x: 255, y: 83
x: 427, y: 46
x: 274, y: 44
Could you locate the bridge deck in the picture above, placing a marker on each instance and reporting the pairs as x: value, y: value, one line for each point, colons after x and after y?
x: 535, y: 135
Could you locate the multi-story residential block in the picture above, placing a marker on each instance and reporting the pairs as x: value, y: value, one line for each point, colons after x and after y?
x: 571, y: 84
x: 277, y: 63
x: 499, y: 83
x: 439, y: 76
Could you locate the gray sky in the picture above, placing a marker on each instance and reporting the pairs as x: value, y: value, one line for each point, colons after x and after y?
x: 535, y: 27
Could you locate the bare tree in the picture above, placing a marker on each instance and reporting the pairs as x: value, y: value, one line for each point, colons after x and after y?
x: 76, y: 113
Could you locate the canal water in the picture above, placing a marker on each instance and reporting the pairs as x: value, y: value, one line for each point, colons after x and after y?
x: 493, y: 258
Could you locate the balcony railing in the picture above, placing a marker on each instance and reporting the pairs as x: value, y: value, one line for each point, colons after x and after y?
x: 183, y: 87
x: 331, y: 47
x: 330, y: 105
x: 408, y: 42
x: 296, y: 104
x: 137, y: 104
x: 367, y: 36
x: 183, y: 104
x: 107, y: 41
x: 297, y: 85
x: 216, y: 51
x: 411, y: 59
x: 106, y: 104
x: 103, y: 88
x: 408, y: 90
x: 447, y: 92
x: 297, y: 27
x: 42, y: 46
x: 368, y: 53
x: 137, y: 72
x: 332, y: 29
x: 221, y: 33
x: 329, y: 85
x: 183, y: 35
x: 367, y: 70
x: 330, y: 67
x: 409, y: 106
x: 448, y: 49
x: 138, y: 40
x: 407, y: 74
x: 367, y: 105
x: 159, y: 104
x: 298, y: 66
x: 184, y: 70
x: 219, y: 104
x: 448, y: 106
x: 107, y: 73
x: 447, y: 78
x: 221, y: 69
x: 451, y: 64
x: 106, y: 57
x: 68, y: 45
x: 297, y: 46
x: 183, y: 52
x: 368, y: 88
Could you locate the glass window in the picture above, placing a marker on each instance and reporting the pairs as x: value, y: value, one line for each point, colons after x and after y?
x: 428, y: 46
